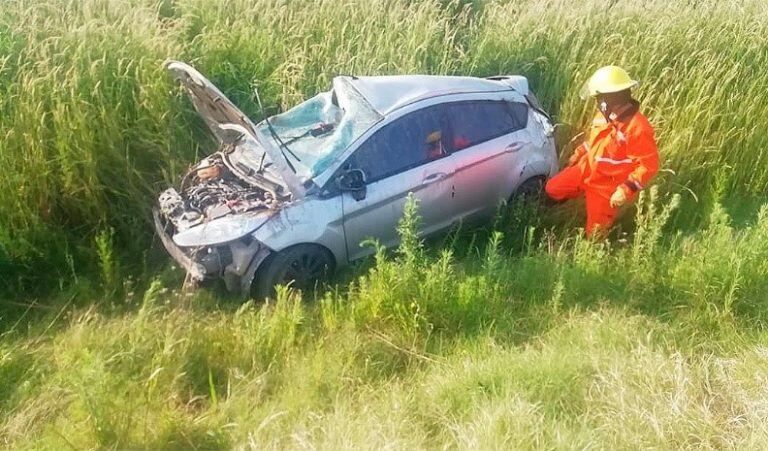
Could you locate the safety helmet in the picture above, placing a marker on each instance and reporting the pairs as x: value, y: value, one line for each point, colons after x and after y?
x: 606, y: 80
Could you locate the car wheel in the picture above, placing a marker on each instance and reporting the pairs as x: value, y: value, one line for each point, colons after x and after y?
x: 530, y: 191
x: 303, y: 266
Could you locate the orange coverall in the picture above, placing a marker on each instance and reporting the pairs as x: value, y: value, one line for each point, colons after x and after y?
x: 619, y: 153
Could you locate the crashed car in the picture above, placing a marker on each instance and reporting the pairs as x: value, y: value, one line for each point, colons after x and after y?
x: 289, y: 199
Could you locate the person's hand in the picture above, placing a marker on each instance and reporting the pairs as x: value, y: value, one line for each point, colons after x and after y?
x: 619, y: 197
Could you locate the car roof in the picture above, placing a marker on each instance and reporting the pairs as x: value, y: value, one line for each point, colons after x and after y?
x: 390, y: 92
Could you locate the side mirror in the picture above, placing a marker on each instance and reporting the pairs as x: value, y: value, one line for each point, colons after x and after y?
x: 352, y: 181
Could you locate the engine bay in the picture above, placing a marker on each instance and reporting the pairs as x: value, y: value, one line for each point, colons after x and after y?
x: 211, y: 190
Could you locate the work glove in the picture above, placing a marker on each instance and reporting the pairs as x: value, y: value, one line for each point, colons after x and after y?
x: 619, y: 197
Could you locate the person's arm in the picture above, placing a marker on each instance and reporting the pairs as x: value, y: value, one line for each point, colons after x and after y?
x: 642, y: 149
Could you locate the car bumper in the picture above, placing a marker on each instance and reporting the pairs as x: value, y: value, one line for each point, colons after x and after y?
x: 195, y: 270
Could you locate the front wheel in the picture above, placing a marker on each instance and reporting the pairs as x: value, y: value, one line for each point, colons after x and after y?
x: 303, y: 267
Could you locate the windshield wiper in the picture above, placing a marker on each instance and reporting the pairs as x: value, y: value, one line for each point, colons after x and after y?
x: 321, y: 129
x: 282, y: 146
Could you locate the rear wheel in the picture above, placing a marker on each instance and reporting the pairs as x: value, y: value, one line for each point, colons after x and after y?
x: 303, y: 267
x: 530, y: 191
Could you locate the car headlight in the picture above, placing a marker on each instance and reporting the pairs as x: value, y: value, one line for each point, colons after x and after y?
x: 218, y: 231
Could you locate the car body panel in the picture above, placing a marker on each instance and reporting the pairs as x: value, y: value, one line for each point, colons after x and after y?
x: 482, y: 169
x: 222, y: 230
x: 212, y: 105
x: 313, y: 220
x: 376, y: 216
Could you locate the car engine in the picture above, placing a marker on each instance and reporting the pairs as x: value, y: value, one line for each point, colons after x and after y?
x: 210, y: 190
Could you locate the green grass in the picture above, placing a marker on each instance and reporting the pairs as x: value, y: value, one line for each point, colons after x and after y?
x: 567, y: 344
x: 517, y: 333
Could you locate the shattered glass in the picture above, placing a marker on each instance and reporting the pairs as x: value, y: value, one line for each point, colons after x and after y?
x: 318, y: 130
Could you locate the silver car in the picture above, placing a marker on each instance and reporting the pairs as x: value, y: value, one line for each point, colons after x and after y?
x: 291, y: 198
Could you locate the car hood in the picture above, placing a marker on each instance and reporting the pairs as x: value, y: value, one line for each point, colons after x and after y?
x: 225, y: 119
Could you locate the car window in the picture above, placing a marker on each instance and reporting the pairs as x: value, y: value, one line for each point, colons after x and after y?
x: 479, y: 121
x: 410, y: 141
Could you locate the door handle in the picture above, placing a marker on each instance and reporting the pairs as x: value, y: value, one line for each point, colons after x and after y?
x: 432, y: 178
x: 513, y: 147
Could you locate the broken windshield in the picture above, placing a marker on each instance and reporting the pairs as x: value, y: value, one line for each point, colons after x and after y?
x: 318, y: 130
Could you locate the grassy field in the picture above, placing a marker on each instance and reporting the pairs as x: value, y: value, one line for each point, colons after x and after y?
x: 517, y: 333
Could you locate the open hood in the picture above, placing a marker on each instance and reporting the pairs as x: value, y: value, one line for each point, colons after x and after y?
x: 226, y: 120
x: 214, y: 107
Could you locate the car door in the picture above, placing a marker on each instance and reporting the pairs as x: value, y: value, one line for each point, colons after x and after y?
x: 488, y: 136
x: 409, y: 155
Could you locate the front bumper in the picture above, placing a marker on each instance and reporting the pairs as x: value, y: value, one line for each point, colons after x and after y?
x: 236, y: 261
x: 195, y: 270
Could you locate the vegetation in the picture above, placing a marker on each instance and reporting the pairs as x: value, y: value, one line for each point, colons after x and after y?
x: 518, y: 333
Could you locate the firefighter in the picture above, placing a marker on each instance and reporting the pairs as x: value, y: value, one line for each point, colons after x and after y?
x: 618, y: 156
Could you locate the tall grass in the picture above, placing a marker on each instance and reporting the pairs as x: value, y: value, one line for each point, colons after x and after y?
x: 517, y: 334
x: 91, y: 127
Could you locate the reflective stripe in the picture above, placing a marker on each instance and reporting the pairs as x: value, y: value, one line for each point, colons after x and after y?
x: 612, y: 161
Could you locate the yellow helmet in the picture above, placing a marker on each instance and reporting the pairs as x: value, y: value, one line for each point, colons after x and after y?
x: 606, y: 80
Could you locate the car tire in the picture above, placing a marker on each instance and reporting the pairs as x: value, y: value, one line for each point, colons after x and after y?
x: 530, y: 191
x: 303, y: 266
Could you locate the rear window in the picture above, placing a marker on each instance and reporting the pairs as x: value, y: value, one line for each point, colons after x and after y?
x: 479, y: 121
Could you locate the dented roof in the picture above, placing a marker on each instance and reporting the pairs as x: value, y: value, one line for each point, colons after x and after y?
x: 390, y: 92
